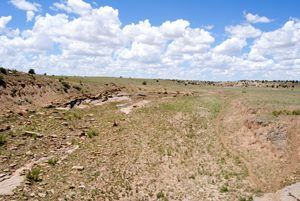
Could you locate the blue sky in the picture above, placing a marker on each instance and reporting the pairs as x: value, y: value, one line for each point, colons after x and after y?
x: 150, y: 49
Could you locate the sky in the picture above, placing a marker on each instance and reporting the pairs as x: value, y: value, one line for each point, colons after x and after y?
x: 174, y: 39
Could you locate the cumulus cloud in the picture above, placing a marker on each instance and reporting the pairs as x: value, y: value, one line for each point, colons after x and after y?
x: 29, y: 7
x: 231, y: 46
x: 93, y: 42
x: 254, y: 18
x: 74, y: 6
x: 3, y: 21
x: 243, y: 31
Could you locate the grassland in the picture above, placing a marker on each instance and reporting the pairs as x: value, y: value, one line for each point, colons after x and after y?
x: 187, y: 143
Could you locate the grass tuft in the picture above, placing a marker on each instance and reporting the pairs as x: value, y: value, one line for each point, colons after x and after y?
x: 34, y: 175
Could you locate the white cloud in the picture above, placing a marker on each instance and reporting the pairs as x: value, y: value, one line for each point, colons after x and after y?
x: 231, y: 46
x: 30, y: 8
x: 243, y: 31
x: 94, y: 42
x: 254, y: 18
x: 280, y: 45
x: 174, y: 29
x: 74, y: 6
x: 3, y: 21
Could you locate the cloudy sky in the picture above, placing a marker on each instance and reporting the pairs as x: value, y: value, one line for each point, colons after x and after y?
x: 206, y: 40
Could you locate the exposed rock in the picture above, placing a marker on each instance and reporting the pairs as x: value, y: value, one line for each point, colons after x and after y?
x: 78, y: 167
x: 31, y: 134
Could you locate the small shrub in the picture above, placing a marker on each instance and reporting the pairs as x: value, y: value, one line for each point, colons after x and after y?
x: 91, y: 133
x: 77, y: 88
x: 2, y: 140
x: 246, y: 199
x: 224, y: 189
x: 296, y: 112
x: 3, y: 70
x: 66, y: 86
x: 2, y: 82
x: 160, y: 195
x: 52, y: 161
x: 31, y: 71
x: 34, y: 175
x: 285, y: 112
x: 144, y: 83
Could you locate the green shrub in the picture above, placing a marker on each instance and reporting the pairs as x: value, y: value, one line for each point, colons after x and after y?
x: 66, y: 85
x: 3, y: 70
x: 52, y: 161
x: 2, y: 140
x: 91, y: 133
x: 34, y: 175
x: 31, y: 71
x: 224, y: 189
x: 144, y: 83
x: 77, y: 87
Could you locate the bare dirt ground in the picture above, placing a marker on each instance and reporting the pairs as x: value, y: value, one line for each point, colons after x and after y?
x: 119, y: 139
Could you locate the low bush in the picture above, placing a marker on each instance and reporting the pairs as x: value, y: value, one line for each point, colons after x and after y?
x: 2, y: 140
x: 31, y: 71
x: 3, y: 70
x: 91, y: 133
x: 34, y: 175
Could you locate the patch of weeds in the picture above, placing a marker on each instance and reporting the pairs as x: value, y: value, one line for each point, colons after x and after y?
x: 34, y: 136
x: 169, y: 152
x: 2, y: 82
x: 244, y: 92
x: 91, y: 133
x: 66, y: 86
x: 34, y: 175
x: 246, y: 199
x: 52, y: 161
x: 224, y: 189
x: 2, y: 140
x: 160, y: 195
x: 190, y: 135
x: 215, y: 108
x: 192, y: 177
x: 276, y: 113
x: 78, y: 88
x: 237, y: 160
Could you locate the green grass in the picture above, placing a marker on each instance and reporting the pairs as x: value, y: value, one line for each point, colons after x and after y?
x: 2, y: 140
x: 224, y: 189
x: 91, y: 133
x: 276, y: 113
x: 34, y: 175
x: 52, y: 161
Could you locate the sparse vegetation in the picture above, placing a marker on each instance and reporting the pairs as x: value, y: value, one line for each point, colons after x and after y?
x: 276, y: 113
x: 66, y: 86
x: 161, y: 196
x: 224, y: 189
x: 34, y: 175
x: 144, y: 83
x: 2, y: 82
x: 78, y: 88
x: 2, y: 140
x: 52, y: 161
x: 91, y: 133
